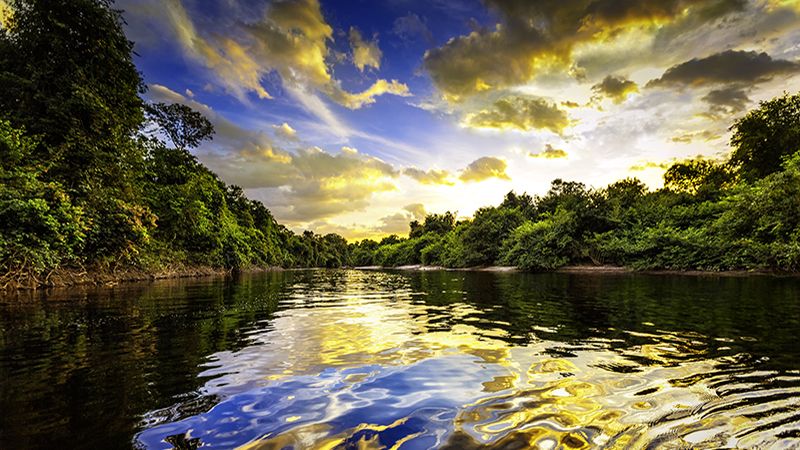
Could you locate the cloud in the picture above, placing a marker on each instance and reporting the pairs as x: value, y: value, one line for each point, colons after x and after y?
x: 730, y: 66
x: 433, y: 176
x: 686, y: 138
x: 236, y: 70
x: 615, y: 88
x: 227, y: 132
x: 483, y: 169
x: 365, y: 53
x: 291, y: 38
x: 536, y: 38
x: 380, y: 87
x: 398, y: 223
x: 417, y: 210
x: 484, y: 60
x: 520, y: 112
x: 412, y: 27
x: 285, y: 131
x: 650, y: 165
x: 727, y: 100
x: 314, y: 184
x: 550, y: 152
x: 307, y: 184
x: 332, y: 184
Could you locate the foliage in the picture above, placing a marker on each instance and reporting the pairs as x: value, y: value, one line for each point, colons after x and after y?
x: 697, y: 176
x: 765, y: 136
x: 546, y: 244
x: 434, y: 223
x: 85, y: 182
x: 40, y: 227
x: 185, y: 127
x: 68, y: 77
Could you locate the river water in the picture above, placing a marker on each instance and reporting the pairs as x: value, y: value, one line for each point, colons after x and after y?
x: 405, y: 360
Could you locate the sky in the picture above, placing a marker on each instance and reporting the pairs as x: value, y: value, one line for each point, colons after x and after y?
x: 357, y: 116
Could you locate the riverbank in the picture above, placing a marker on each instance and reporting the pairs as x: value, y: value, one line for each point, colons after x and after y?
x: 61, y: 278
x: 594, y: 270
x: 64, y: 278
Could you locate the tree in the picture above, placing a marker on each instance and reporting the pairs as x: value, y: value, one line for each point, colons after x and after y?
x: 523, y: 202
x: 185, y: 127
x: 434, y: 223
x: 68, y: 77
x: 697, y: 176
x: 483, y: 237
x: 765, y: 136
x: 40, y: 228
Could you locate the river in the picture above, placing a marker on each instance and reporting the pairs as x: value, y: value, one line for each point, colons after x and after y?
x: 405, y: 360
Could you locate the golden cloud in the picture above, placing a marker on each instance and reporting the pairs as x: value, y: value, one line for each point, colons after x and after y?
x: 484, y: 60
x: 417, y: 210
x: 433, y: 176
x: 705, y: 135
x: 550, y: 152
x: 650, y: 165
x: 365, y: 54
x: 615, y: 88
x: 236, y: 70
x: 397, y: 223
x: 357, y: 100
x: 291, y: 40
x: 314, y: 184
x: 520, y: 112
x: 483, y: 169
x: 285, y: 131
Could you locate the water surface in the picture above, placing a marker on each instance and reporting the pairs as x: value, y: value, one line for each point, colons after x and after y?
x: 400, y: 360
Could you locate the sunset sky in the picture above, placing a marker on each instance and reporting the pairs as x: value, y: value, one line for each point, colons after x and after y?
x: 357, y: 116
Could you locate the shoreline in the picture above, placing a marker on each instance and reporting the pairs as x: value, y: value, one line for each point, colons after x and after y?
x: 590, y: 270
x: 67, y: 278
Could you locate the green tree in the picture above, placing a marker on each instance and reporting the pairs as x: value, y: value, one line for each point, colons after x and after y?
x: 697, y: 176
x: 183, y: 126
x: 68, y: 77
x: 765, y: 136
x: 40, y: 227
x: 434, y: 223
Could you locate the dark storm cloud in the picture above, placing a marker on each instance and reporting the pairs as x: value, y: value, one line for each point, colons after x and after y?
x: 731, y: 66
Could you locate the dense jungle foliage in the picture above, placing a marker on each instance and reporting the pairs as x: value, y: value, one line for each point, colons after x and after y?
x: 93, y: 177
x: 83, y: 182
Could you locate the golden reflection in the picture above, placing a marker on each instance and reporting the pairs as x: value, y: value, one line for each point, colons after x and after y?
x: 527, y: 397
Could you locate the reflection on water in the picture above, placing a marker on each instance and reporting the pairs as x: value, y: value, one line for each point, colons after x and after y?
x: 347, y: 359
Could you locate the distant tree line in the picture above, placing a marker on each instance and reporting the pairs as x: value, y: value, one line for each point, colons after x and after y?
x: 92, y: 177
x: 743, y: 213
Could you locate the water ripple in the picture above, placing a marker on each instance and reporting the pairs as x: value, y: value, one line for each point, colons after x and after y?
x: 367, y: 364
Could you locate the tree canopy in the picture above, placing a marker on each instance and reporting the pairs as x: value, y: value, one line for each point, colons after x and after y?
x: 93, y: 178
